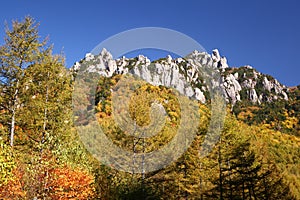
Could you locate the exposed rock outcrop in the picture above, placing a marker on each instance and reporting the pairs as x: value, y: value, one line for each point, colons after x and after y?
x: 183, y: 74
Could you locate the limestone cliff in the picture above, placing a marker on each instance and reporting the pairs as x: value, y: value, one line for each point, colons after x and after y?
x: 238, y: 84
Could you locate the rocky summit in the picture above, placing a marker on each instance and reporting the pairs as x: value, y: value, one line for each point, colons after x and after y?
x: 188, y: 77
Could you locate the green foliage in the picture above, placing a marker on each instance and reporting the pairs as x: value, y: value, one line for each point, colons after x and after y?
x: 235, y: 166
x: 161, y: 60
x: 35, y: 106
x: 22, y: 49
x: 7, y: 164
x: 279, y: 115
x: 132, y: 63
x: 244, y: 73
x: 49, y: 161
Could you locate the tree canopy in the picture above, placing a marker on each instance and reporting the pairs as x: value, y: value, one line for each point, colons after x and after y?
x: 43, y: 157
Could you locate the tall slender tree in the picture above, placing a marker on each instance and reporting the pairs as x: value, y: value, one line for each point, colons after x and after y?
x: 46, y: 113
x: 22, y: 48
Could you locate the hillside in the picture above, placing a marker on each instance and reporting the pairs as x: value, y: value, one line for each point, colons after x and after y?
x: 255, y: 98
x: 51, y: 146
x: 262, y: 156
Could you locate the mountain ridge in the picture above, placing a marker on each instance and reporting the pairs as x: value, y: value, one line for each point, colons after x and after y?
x: 239, y: 84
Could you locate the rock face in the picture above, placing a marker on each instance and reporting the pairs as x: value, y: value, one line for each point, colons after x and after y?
x: 220, y: 62
x: 187, y: 75
x: 232, y: 88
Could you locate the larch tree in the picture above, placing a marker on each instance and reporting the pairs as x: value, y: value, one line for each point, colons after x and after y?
x: 22, y: 48
x: 35, y: 85
x: 46, y: 113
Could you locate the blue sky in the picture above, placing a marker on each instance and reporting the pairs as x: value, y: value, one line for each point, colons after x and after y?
x: 264, y: 34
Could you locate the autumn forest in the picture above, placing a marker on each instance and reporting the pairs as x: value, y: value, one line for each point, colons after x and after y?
x: 43, y: 157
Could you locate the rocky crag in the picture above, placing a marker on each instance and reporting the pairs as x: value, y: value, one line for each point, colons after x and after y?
x: 238, y: 84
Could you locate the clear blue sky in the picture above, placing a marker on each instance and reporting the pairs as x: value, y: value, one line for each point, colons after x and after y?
x: 261, y: 33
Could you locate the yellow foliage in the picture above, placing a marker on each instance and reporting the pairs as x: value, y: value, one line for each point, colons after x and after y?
x: 67, y: 183
x: 290, y: 122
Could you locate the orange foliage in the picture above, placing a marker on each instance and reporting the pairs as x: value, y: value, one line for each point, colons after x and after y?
x: 49, y: 181
x: 13, y: 189
x: 66, y: 183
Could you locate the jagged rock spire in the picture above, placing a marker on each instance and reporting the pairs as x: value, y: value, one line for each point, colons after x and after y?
x: 238, y: 84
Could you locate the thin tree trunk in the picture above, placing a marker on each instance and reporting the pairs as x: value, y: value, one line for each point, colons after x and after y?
x: 134, y: 151
x: 12, y: 128
x: 133, y: 159
x: 13, y: 116
x: 143, y: 168
x: 143, y: 159
x: 249, y: 191
x: 45, y: 112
